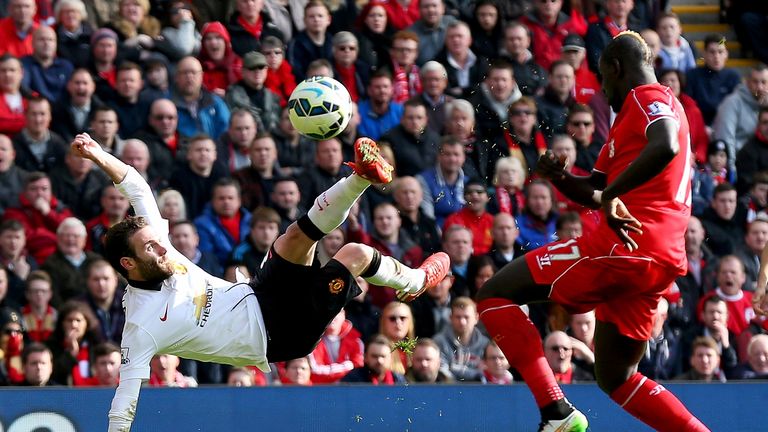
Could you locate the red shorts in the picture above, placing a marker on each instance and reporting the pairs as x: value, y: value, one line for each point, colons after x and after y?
x: 623, y: 289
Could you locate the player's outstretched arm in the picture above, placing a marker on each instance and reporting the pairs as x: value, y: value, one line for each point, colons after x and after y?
x: 577, y: 188
x: 85, y: 147
x: 124, y: 403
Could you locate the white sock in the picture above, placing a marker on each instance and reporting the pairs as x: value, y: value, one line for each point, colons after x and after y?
x: 331, y: 208
x: 393, y: 273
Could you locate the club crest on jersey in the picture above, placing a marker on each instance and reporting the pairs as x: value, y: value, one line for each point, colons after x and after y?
x: 657, y: 108
x: 335, y: 286
x: 124, y: 356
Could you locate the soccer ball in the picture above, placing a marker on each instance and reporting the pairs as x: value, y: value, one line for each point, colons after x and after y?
x: 320, y: 107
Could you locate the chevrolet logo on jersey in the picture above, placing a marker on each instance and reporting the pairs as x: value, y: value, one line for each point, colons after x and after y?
x: 203, y: 301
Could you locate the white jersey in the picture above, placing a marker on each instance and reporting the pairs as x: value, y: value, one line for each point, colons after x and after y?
x: 191, y: 314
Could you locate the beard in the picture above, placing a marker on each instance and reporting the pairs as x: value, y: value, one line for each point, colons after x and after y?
x: 154, y: 271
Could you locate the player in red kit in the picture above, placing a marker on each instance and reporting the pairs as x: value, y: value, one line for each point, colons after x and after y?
x: 641, y: 181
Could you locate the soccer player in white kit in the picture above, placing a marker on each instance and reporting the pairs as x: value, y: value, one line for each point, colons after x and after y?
x: 174, y: 307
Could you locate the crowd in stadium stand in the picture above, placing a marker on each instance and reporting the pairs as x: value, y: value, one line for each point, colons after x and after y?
x: 462, y: 95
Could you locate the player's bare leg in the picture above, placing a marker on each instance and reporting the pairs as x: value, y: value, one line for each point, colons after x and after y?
x: 616, y: 359
x: 499, y: 305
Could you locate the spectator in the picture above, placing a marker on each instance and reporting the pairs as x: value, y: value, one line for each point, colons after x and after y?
x: 553, y: 105
x: 251, y: 94
x: 264, y: 227
x: 326, y: 170
x: 72, y: 111
x: 736, y: 119
x: 223, y: 223
x: 414, y: 145
x: 37, y: 362
x: 40, y: 213
x: 11, y: 345
x: 421, y: 228
x: 45, y: 73
x: 178, y: 38
x: 249, y: 25
x: 581, y: 126
x: 17, y: 28
x: 569, y: 226
x: 196, y: 178
x: 497, y: 93
x: 375, y: 33
x: 104, y: 125
x: 537, y: 221
x: 104, y: 298
x: 461, y: 125
x: 200, y: 111
x: 38, y: 314
x: 221, y: 66
x: 12, y: 177
x: 757, y: 360
x: 130, y: 103
x: 523, y: 140
x: 286, y: 200
x: 388, y: 238
x: 465, y: 69
x: 406, y: 82
x: 430, y: 30
x: 427, y: 367
x: 258, y: 178
x: 434, y: 80
x: 396, y: 324
x: 661, y: 360
x: 582, y: 331
x: 136, y: 154
x: 73, y: 32
x: 106, y: 366
x: 487, y: 28
x: 495, y: 366
x: 507, y: 187
x: 443, y: 185
x: 78, y: 185
x: 564, y: 147
x: 280, y: 77
x: 296, y: 152
x: 709, y: 84
x: 114, y: 207
x: 474, y: 216
x: 549, y: 27
x: 313, y: 42
x: 457, y: 243
x: 339, y: 352
x: 432, y: 311
x: 730, y: 282
x: 235, y: 145
x: 750, y: 253
x: 504, y: 233
x: 137, y: 29
x: 172, y: 206
x: 675, y: 80
x: 717, y: 168
x: 558, y: 350
x: 13, y: 104
x: 676, y: 53
x: 379, y: 113
x: 37, y: 148
x: 705, y: 362
x: 162, y: 138
x: 753, y: 157
x: 462, y: 344
x: 103, y: 62
x: 363, y: 314
x: 724, y: 221
x: 297, y: 372
x: 375, y: 369
x: 756, y: 200
x: 164, y: 373
x: 713, y: 323
x: 185, y: 239
x: 68, y: 263
x: 531, y: 78
x: 16, y: 260
x: 72, y: 342
x: 240, y: 377
x: 599, y: 33
x: 575, y: 54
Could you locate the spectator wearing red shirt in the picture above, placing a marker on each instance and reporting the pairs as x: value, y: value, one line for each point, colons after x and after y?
x: 340, y: 351
x: 558, y: 350
x: 38, y: 314
x: 280, y: 77
x: 675, y: 80
x: 730, y: 280
x: 12, y: 103
x: 575, y: 53
x: 347, y: 66
x: 221, y: 66
x: 17, y: 28
x: 103, y: 62
x: 402, y: 13
x: 549, y: 27
x: 475, y: 217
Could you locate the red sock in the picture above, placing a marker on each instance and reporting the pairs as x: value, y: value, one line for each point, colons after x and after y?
x: 655, y: 406
x: 517, y: 337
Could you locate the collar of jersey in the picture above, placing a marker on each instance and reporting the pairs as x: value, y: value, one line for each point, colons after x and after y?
x: 146, y: 285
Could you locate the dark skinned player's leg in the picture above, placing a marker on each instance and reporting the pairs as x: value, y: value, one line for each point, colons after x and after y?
x: 499, y: 302
x: 616, y: 359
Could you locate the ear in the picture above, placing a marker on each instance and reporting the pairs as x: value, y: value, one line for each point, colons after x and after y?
x: 128, y: 263
x: 617, y: 67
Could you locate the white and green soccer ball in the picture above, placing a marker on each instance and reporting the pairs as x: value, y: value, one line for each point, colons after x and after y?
x: 320, y: 107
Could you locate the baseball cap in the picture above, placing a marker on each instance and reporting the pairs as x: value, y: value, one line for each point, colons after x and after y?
x: 254, y: 60
x: 573, y: 42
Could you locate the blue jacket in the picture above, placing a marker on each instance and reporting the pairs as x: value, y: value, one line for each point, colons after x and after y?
x: 708, y: 88
x: 49, y: 82
x: 373, y: 125
x: 441, y: 199
x: 214, y: 238
x: 534, y: 233
x: 212, y: 116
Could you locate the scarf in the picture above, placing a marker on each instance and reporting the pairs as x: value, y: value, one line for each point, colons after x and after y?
x: 347, y: 77
x: 254, y: 29
x: 612, y: 27
x: 506, y: 205
x: 405, y: 83
x: 514, y: 146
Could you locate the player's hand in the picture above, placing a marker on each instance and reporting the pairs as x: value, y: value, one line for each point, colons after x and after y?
x: 551, y: 167
x: 760, y: 300
x: 621, y: 222
x: 85, y: 147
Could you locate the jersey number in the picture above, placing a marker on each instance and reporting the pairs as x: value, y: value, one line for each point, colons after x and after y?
x: 565, y: 251
x: 683, y: 195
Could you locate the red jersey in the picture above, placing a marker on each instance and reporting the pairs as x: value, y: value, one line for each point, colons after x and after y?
x: 662, y: 204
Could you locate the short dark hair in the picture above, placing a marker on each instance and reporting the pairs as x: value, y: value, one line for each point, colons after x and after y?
x: 380, y: 73
x: 377, y: 339
x: 557, y: 63
x: 185, y: 222
x: 579, y: 109
x: 264, y: 214
x: 105, y: 349
x: 226, y: 182
x: 713, y: 38
x: 102, y: 108
x: 567, y: 217
x: 34, y: 347
x: 426, y: 342
x: 414, y: 102
x: 118, y: 241
x: 36, y: 275
x: 35, y: 176
x: 704, y: 342
x: 128, y: 66
x: 715, y: 299
x: 760, y: 177
x: 11, y: 225
x: 680, y: 76
x: 723, y: 187
x: 93, y: 265
x: 448, y: 140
